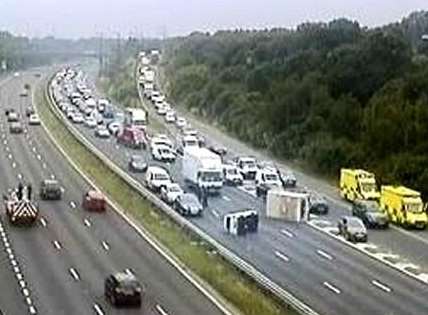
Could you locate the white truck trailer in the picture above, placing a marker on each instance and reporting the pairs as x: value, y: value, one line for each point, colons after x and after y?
x: 202, y: 169
x: 287, y: 205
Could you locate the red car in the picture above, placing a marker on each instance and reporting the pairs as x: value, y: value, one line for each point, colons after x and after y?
x: 133, y: 137
x: 94, y: 201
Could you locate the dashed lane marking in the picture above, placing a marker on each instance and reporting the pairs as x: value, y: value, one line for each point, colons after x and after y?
x: 381, y: 286
x: 215, y: 213
x: 161, y: 310
x: 226, y: 198
x: 57, y: 245
x: 98, y: 309
x: 287, y: 233
x: 282, y: 256
x: 105, y: 245
x: 324, y: 254
x: 74, y: 274
x: 331, y: 287
x: 87, y: 222
x: 43, y: 222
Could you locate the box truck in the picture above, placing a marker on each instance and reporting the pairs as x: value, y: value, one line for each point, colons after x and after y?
x: 287, y: 205
x: 202, y: 169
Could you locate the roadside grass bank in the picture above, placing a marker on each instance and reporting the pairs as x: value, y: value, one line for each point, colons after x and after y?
x: 239, y: 290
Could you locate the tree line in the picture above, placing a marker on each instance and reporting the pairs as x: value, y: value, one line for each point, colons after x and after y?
x: 330, y: 95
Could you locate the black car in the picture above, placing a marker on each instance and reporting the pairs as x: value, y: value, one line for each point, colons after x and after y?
x: 352, y: 229
x: 318, y: 204
x: 50, y: 190
x: 370, y: 213
x: 123, y: 289
x: 188, y: 205
x: 137, y: 164
x: 222, y: 151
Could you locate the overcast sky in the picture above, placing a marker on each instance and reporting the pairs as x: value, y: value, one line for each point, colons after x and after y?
x: 75, y: 18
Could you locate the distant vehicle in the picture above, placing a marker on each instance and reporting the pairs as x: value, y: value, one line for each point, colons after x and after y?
x: 188, y: 204
x: 24, y: 93
x: 29, y: 111
x: 247, y: 166
x: 132, y: 137
x: 20, y: 210
x: 352, y: 229
x: 231, y: 175
x: 370, y: 213
x: 220, y: 150
x: 123, y: 289
x: 94, y: 201
x: 70, y: 113
x: 288, y: 179
x: 266, y: 179
x: 318, y: 204
x: 102, y: 104
x: 161, y: 139
x: 202, y: 169
x: 136, y: 117
x: 12, y: 116
x: 180, y: 122
x: 156, y: 177
x: 16, y: 127
x: 34, y: 120
x: 102, y: 132
x: 137, y: 164
x: 78, y: 118
x: 114, y: 127
x: 9, y: 110
x: 50, y: 190
x: 170, y: 192
x: 358, y: 184
x: 161, y: 110
x: 187, y: 142
x: 90, y: 122
x: 108, y: 112
x: 170, y: 117
x: 404, y: 206
x: 163, y: 153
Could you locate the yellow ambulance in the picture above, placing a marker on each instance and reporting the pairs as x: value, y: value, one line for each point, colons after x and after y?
x: 358, y: 184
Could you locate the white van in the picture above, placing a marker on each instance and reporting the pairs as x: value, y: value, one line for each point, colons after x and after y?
x: 156, y: 177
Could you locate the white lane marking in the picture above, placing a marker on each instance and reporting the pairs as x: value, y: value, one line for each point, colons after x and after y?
x: 129, y: 272
x: 57, y: 245
x: 98, y: 309
x: 287, y: 233
x: 87, y: 222
x: 10, y: 156
x: 72, y: 204
x: 20, y: 176
x: 13, y: 165
x: 74, y: 274
x: 52, y: 176
x: 331, y: 287
x: 324, y: 254
x: 43, y: 222
x: 226, y: 198
x: 32, y: 310
x: 105, y: 245
x: 22, y: 284
x: 282, y: 256
x: 26, y: 292
x: 28, y: 300
x: 39, y: 157
x: 381, y: 286
x: 215, y: 213
x: 161, y: 310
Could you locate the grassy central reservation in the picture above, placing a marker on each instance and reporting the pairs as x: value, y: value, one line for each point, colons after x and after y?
x: 238, y: 289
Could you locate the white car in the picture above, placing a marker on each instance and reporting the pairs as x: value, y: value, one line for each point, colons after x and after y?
x: 161, y: 110
x: 170, y: 117
x: 156, y: 177
x: 170, y: 192
x: 34, y: 120
x: 231, y: 175
x: 90, y: 122
x: 78, y: 118
x: 163, y: 153
x: 190, y: 132
x: 180, y: 122
x: 102, y: 132
x: 161, y: 139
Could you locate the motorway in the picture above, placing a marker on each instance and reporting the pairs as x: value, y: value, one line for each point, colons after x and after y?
x: 329, y: 276
x: 59, y: 265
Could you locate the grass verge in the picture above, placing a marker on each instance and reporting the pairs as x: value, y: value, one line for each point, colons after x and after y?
x: 231, y: 283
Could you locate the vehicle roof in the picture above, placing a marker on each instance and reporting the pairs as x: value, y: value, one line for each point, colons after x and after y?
x: 50, y: 181
x: 124, y: 277
x: 247, y: 158
x: 190, y: 138
x: 402, y: 191
x: 93, y: 194
x: 157, y: 169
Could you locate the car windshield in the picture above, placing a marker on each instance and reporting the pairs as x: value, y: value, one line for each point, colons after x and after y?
x: 174, y: 188
x: 232, y: 171
x: 271, y: 177
x: 190, y: 200
x: 368, y: 187
x: 249, y: 163
x: 211, y: 176
x: 354, y: 223
x: 161, y: 176
x: 414, y: 207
